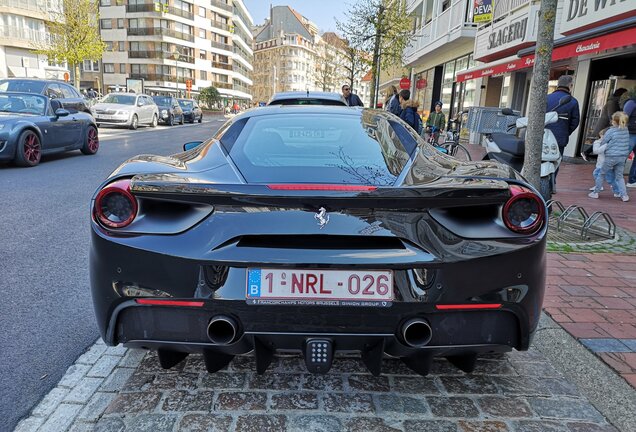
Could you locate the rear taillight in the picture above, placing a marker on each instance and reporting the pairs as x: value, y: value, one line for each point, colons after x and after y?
x: 115, y: 206
x: 524, y: 212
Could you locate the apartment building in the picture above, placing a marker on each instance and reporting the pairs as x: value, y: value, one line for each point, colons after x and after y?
x: 176, y: 45
x: 23, y: 29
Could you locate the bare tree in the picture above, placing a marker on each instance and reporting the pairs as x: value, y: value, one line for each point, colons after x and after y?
x: 381, y: 27
x: 538, y: 93
x: 353, y: 64
x: 325, y: 73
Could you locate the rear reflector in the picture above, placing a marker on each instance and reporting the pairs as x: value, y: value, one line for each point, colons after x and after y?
x: 468, y: 306
x: 323, y: 187
x: 145, y: 301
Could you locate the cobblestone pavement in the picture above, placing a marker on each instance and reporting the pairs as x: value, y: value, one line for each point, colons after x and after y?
x: 114, y: 389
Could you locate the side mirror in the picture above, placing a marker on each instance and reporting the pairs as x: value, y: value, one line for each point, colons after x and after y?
x: 192, y: 144
x: 565, y: 100
x: 507, y: 111
x: 61, y: 112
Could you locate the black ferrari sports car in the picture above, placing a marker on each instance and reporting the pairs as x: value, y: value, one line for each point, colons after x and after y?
x: 317, y: 230
x: 32, y: 125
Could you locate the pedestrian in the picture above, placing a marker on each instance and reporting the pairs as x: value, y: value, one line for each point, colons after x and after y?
x: 351, y: 98
x: 599, y: 150
x: 603, y: 122
x: 616, y: 152
x: 392, y: 103
x: 92, y: 94
x: 436, y: 121
x: 569, y: 115
x: 630, y: 110
x: 235, y: 108
x: 409, y: 111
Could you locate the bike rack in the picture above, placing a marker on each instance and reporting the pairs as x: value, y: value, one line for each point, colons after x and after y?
x: 590, y: 226
x: 551, y: 204
x: 569, y: 216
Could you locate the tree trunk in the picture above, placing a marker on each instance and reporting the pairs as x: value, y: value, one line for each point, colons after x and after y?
x: 374, y: 68
x: 538, y: 93
x: 76, y: 68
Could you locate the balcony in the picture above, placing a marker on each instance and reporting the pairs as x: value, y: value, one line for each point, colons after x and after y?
x: 221, y: 5
x: 444, y: 31
x: 38, y: 6
x: 25, y: 35
x: 504, y: 7
x: 161, y: 77
x: 217, y: 24
x: 160, y: 31
x: 219, y: 65
x: 165, y: 9
x: 221, y: 45
x: 166, y: 55
x: 222, y: 85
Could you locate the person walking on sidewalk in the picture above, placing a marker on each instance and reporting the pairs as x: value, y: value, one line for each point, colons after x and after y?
x: 409, y: 111
x: 436, y: 119
x: 351, y: 98
x: 617, y: 150
x: 605, y: 119
x: 569, y: 114
x: 630, y: 110
x: 599, y: 150
x: 392, y: 104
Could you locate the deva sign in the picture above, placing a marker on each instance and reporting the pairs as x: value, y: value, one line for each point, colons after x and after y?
x: 482, y: 11
x: 584, y: 14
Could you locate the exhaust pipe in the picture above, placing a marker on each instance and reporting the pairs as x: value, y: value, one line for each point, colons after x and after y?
x: 222, y: 330
x: 416, y: 332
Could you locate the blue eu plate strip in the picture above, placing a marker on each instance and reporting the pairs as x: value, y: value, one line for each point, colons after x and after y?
x: 254, y: 283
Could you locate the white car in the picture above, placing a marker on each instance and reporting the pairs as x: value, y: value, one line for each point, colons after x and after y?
x: 126, y: 109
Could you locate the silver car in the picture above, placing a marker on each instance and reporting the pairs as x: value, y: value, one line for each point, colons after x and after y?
x: 126, y: 109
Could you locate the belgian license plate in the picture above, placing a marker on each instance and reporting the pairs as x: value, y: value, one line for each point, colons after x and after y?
x: 105, y: 117
x: 320, y: 287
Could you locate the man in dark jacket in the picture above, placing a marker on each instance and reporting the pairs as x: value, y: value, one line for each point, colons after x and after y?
x: 409, y: 111
x: 351, y: 98
x: 569, y: 114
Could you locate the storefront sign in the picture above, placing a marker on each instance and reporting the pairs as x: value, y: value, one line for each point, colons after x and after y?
x: 588, y: 46
x: 420, y: 83
x: 482, y: 11
x: 580, y: 15
x: 508, y: 35
x: 405, y: 83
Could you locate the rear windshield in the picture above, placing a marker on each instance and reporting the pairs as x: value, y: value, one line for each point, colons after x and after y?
x: 162, y: 100
x: 308, y: 102
x: 185, y: 103
x: 319, y: 148
x: 22, y: 86
x: 119, y: 99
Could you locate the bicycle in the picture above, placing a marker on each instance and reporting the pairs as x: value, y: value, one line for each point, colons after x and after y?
x: 451, y: 145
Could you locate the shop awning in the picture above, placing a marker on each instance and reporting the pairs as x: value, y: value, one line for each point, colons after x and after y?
x: 590, y: 45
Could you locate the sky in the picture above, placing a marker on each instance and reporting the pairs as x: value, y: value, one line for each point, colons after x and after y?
x: 321, y: 12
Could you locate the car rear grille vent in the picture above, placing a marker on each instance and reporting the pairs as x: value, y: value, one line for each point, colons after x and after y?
x: 321, y: 242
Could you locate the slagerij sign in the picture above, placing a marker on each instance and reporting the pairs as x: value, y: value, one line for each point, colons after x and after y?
x: 482, y: 11
x: 582, y: 14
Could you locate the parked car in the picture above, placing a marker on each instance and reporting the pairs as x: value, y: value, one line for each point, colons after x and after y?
x: 307, y: 98
x: 33, y: 125
x: 68, y: 95
x: 317, y: 229
x: 170, y: 111
x: 126, y: 109
x: 191, y: 110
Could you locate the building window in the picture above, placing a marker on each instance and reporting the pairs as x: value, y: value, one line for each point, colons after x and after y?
x: 120, y: 23
x: 109, y: 46
x: 109, y: 68
x: 203, y: 54
x: 122, y: 46
x: 202, y: 12
x: 204, y: 75
x: 104, y: 3
x: 122, y: 68
x: 106, y: 24
x: 202, y: 33
x: 138, y: 69
x: 90, y: 66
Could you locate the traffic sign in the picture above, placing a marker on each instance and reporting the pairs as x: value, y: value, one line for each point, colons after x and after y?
x: 405, y: 83
x: 66, y: 76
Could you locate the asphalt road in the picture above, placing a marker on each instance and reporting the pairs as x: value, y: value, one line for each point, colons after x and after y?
x: 46, y: 312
